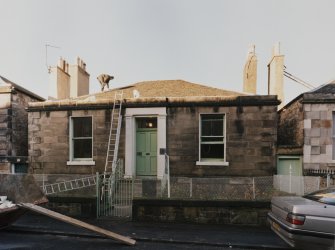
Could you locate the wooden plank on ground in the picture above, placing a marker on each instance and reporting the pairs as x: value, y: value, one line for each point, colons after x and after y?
x: 67, y: 219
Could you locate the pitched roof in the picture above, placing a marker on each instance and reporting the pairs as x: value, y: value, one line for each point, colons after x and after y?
x: 328, y: 88
x: 322, y: 94
x: 165, y: 88
x: 5, y: 83
x: 159, y: 93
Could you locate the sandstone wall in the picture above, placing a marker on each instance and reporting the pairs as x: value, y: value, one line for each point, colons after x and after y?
x: 250, y: 137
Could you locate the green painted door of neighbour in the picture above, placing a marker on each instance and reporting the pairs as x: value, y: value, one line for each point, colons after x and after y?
x: 287, y: 165
x: 146, y: 150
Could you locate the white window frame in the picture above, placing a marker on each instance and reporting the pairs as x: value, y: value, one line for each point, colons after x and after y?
x: 213, y: 162
x: 78, y: 161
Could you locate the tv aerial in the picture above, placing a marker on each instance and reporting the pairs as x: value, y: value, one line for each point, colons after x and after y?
x: 46, y: 55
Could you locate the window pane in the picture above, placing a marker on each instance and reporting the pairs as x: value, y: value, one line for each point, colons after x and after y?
x: 146, y: 122
x: 82, y: 148
x: 326, y: 196
x: 82, y: 126
x: 21, y: 168
x: 215, y: 151
x: 212, y: 125
x: 212, y: 139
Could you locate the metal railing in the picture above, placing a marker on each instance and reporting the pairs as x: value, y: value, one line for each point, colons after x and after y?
x: 119, y: 191
x: 221, y: 188
x: 114, y: 193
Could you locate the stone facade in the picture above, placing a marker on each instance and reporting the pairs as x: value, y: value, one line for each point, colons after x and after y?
x: 14, y: 124
x: 318, y: 130
x: 49, y: 141
x: 251, y: 133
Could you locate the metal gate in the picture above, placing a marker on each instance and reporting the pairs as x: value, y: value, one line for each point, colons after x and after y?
x: 114, y: 194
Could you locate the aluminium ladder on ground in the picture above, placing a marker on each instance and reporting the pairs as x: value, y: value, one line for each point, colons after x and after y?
x: 68, y: 185
x: 114, y: 133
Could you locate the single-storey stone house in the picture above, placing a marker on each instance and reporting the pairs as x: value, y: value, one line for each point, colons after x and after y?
x: 14, y: 100
x: 306, y: 132
x: 206, y: 132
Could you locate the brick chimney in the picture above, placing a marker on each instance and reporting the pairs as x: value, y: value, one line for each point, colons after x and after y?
x: 68, y: 81
x: 250, y: 72
x: 276, y: 74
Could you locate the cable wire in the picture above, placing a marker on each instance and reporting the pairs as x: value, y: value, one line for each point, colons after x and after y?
x: 298, y: 80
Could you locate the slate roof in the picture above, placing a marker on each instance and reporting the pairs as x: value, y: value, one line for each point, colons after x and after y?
x: 325, y: 89
x: 159, y: 93
x: 165, y: 88
x: 322, y: 94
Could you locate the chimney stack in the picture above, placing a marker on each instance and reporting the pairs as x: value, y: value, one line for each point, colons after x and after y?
x: 59, y: 81
x: 79, y: 83
x: 250, y: 72
x: 68, y: 81
x: 276, y: 74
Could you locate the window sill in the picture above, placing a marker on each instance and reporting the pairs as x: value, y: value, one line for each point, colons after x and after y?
x: 212, y: 163
x: 80, y: 163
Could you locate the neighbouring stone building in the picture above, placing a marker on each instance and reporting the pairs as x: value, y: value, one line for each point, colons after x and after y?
x: 306, y: 132
x: 14, y: 126
x: 206, y: 132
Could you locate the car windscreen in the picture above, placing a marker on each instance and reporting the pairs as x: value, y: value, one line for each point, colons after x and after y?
x: 326, y: 196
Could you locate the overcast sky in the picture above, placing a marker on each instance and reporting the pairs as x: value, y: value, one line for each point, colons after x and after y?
x: 201, y: 41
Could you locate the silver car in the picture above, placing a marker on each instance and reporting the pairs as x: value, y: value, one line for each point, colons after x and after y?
x: 306, y: 222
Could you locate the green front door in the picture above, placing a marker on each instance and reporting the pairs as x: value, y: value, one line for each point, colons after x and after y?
x: 146, y: 147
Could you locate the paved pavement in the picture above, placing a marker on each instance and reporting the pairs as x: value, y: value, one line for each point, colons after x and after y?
x: 246, y: 237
